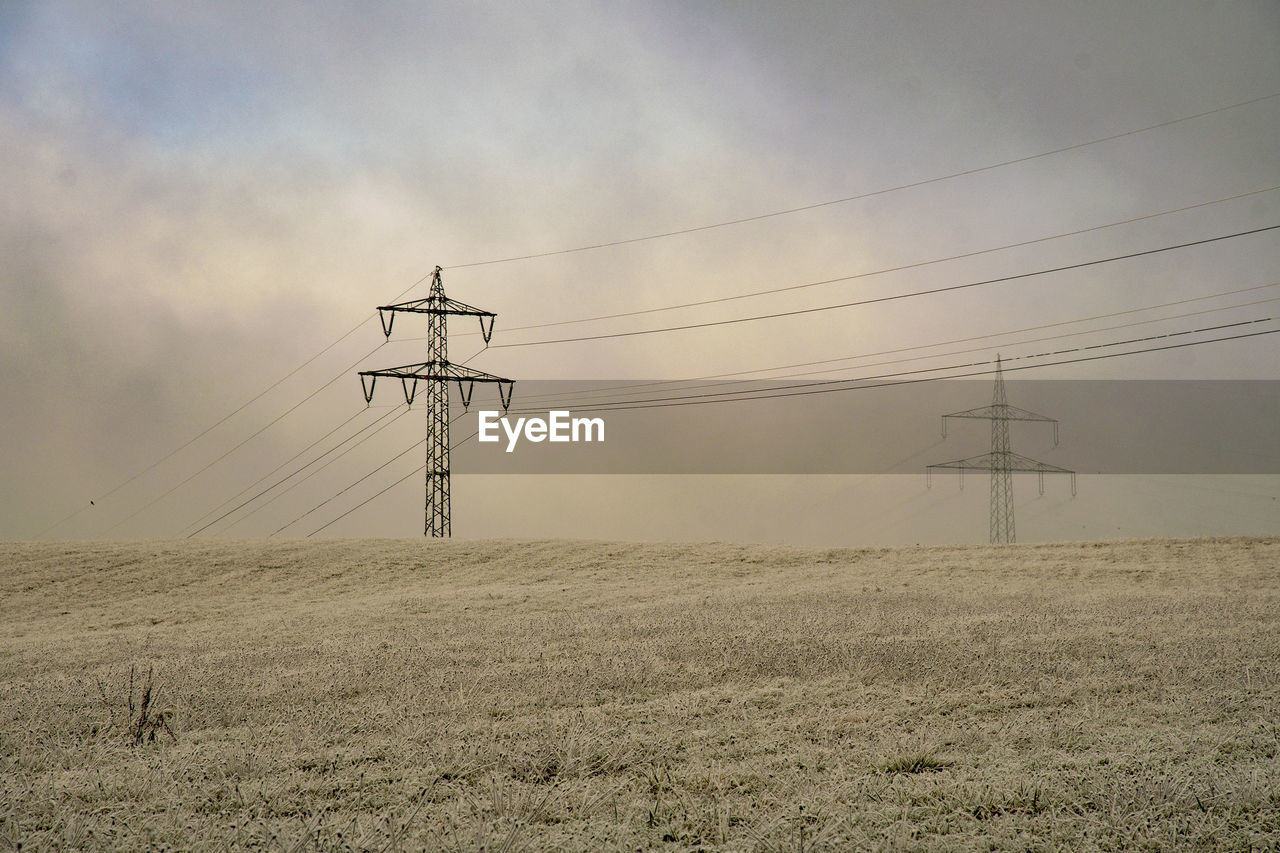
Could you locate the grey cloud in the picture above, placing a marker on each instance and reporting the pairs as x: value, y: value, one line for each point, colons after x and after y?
x: 201, y: 196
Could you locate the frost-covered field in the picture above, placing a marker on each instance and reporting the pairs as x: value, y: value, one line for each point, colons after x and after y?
x: 376, y: 695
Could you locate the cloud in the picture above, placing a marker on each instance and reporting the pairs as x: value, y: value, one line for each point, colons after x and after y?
x: 200, y: 197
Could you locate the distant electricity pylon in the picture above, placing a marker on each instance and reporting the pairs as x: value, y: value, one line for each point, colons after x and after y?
x: 437, y: 372
x: 1001, y: 461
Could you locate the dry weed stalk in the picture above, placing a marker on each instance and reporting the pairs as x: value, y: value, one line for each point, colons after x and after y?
x: 149, y: 721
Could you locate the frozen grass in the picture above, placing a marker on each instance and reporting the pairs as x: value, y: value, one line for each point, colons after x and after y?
x: 583, y: 696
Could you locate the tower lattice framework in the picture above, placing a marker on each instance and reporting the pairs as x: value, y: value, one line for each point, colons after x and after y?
x: 1001, y: 461
x: 437, y: 372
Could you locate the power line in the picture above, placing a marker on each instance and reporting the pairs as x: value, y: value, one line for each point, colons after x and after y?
x: 317, y: 459
x: 368, y: 499
x: 224, y: 418
x: 259, y: 432
x: 801, y: 311
x: 402, y: 412
x: 362, y: 479
x: 292, y: 474
x: 45, y: 531
x: 824, y: 386
x: 353, y: 485
x: 1114, y: 328
x: 383, y: 491
x: 847, y: 387
x: 623, y: 334
x: 205, y: 431
x: 874, y: 300
x: 266, y: 476
x: 1044, y: 326
x: 878, y: 299
x: 864, y: 195
x: 632, y: 388
x: 901, y: 268
x: 924, y: 346
x: 465, y: 440
x: 658, y: 382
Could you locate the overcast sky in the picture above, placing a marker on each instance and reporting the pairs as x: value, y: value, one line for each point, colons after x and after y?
x: 199, y: 197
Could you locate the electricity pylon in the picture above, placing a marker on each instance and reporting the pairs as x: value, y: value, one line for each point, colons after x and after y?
x: 1001, y: 461
x: 437, y: 372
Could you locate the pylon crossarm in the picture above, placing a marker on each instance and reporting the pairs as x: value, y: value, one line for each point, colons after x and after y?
x: 1019, y: 462
x: 453, y: 306
x: 410, y: 374
x: 959, y: 464
x: 1011, y: 462
x: 959, y: 468
x: 435, y: 370
x: 436, y: 305
x: 1000, y: 411
x: 457, y: 371
x: 407, y: 370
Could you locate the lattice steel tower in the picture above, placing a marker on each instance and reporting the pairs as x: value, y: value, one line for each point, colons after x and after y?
x: 1001, y: 461
x: 437, y: 372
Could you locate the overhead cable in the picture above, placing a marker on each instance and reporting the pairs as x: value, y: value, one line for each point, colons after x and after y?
x: 883, y: 271
x: 890, y: 298
x: 864, y: 195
